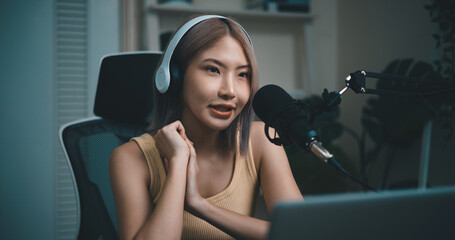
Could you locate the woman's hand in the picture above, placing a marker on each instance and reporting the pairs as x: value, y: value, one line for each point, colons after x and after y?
x: 171, y: 143
x: 193, y: 199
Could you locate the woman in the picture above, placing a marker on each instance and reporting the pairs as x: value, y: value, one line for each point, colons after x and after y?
x: 196, y: 174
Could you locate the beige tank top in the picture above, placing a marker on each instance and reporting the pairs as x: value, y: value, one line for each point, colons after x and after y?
x: 239, y: 196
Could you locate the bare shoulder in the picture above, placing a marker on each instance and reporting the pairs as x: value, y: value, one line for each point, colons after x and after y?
x: 260, y: 144
x: 128, y: 149
x: 128, y: 159
x: 257, y: 136
x: 259, y: 141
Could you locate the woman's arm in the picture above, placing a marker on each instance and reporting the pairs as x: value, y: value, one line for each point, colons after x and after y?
x: 277, y: 182
x: 237, y: 225
x: 130, y: 180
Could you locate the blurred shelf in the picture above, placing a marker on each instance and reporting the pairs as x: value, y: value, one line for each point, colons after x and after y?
x: 283, y: 39
x: 189, y: 9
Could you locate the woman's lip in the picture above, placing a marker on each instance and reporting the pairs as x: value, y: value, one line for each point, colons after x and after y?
x: 222, y: 114
x: 223, y: 105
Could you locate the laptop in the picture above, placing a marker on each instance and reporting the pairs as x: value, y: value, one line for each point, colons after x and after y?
x: 399, y: 214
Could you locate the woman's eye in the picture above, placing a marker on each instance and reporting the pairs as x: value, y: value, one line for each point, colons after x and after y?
x: 244, y: 75
x: 212, y: 69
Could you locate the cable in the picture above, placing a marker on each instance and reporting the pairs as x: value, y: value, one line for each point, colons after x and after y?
x: 334, y: 163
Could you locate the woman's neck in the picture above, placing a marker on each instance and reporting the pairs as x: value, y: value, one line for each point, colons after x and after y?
x: 203, y: 138
x: 206, y: 141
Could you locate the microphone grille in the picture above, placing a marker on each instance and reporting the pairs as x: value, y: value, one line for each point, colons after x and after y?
x: 269, y: 101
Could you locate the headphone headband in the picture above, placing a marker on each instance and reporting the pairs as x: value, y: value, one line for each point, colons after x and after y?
x: 163, y: 76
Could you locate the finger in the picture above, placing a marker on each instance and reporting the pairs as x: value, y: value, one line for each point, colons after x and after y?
x: 180, y: 129
x: 176, y: 126
x: 191, y: 147
x: 192, y: 169
x: 192, y: 161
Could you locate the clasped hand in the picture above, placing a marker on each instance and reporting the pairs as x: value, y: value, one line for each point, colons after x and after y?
x: 178, y: 150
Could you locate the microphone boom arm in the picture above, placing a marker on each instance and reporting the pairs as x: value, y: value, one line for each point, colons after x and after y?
x: 357, y: 82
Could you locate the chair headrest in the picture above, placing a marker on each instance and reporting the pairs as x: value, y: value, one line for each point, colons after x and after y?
x: 125, y: 83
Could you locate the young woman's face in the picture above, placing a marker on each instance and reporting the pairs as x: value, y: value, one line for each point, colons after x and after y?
x: 216, y: 85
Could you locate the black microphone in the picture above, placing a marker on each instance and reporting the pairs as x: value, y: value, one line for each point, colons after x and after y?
x: 280, y: 111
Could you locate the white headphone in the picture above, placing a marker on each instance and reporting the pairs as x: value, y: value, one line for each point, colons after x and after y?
x: 163, y: 75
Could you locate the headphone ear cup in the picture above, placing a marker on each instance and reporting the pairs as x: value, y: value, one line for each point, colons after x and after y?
x: 162, y: 79
x: 176, y: 80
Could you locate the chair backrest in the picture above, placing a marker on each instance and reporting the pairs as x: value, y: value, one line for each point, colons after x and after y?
x: 123, y: 102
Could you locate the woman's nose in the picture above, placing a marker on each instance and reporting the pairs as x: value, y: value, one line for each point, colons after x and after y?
x: 227, y: 88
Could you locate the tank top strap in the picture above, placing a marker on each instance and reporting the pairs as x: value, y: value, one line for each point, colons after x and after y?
x: 154, y: 162
x: 252, y: 171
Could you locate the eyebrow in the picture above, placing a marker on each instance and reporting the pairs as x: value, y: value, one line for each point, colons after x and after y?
x: 224, y: 65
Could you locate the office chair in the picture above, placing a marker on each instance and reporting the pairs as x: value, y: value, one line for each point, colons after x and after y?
x: 122, y: 104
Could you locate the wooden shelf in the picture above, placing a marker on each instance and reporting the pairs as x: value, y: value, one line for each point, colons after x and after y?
x: 178, y: 9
